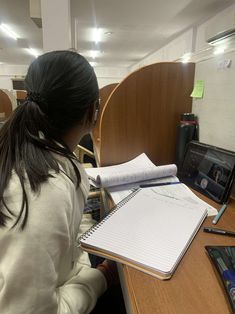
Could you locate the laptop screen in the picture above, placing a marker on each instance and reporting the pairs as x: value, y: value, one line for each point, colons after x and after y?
x: 208, y: 169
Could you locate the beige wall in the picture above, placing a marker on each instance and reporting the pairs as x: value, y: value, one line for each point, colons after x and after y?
x: 216, y: 111
x: 105, y: 75
x: 110, y: 75
x: 7, y: 72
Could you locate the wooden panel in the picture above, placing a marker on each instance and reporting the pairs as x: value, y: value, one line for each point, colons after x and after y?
x: 143, y: 112
x: 21, y: 94
x: 105, y: 92
x: 195, y: 286
x: 5, y: 105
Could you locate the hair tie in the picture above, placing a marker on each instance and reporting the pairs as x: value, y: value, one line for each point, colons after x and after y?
x: 35, y: 97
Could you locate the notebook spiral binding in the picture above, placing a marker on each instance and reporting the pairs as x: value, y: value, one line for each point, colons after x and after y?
x: 85, y: 235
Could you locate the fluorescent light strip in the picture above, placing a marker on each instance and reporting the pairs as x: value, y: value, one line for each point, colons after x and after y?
x: 8, y: 31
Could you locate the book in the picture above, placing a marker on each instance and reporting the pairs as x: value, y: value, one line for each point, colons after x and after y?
x: 147, y: 230
x: 136, y: 170
x: 121, y: 180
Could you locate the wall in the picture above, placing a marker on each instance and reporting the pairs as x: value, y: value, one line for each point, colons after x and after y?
x: 7, y: 72
x: 105, y: 76
x: 172, y: 51
x: 110, y: 75
x: 216, y: 111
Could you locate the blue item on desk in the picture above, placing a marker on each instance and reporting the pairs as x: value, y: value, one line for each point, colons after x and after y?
x: 220, y: 213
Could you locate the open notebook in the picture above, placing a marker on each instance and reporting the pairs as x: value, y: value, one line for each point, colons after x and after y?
x: 138, y: 169
x: 147, y: 230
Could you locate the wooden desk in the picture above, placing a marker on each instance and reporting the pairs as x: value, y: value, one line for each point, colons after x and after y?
x: 194, y: 287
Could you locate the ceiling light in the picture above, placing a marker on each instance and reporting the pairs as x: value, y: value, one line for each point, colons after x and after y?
x: 96, y: 35
x: 94, y: 53
x: 185, y: 60
x: 186, y: 57
x: 218, y: 50
x: 33, y: 52
x: 8, y: 31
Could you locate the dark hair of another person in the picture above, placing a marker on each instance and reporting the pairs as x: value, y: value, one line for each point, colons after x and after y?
x: 62, y: 91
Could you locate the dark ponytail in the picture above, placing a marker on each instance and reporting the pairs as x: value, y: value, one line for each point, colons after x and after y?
x: 62, y: 89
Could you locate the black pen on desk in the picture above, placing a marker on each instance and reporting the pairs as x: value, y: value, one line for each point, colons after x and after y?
x: 220, y: 212
x: 219, y: 231
x: 148, y: 185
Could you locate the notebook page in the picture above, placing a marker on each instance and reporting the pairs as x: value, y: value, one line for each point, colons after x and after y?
x: 138, y: 169
x: 182, y: 193
x: 149, y: 230
x: 119, y: 192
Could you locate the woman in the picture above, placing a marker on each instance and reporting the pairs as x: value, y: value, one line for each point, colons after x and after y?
x: 43, y: 190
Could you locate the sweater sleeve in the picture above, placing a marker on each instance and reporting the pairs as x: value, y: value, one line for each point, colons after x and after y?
x: 79, y: 294
x: 86, y: 285
x: 38, y: 272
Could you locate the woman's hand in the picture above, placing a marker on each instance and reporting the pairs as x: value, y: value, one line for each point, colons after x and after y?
x: 109, y: 270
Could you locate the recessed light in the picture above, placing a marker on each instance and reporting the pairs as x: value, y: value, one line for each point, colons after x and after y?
x: 108, y: 33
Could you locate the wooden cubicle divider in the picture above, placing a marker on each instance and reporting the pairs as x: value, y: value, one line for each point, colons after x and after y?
x: 5, y: 105
x: 21, y: 96
x: 142, y: 114
x: 104, y: 95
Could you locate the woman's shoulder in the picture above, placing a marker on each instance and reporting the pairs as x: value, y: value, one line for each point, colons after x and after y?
x: 67, y: 169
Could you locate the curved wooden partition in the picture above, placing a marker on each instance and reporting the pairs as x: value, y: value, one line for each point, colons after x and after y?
x: 104, y: 95
x: 142, y: 114
x: 5, y: 105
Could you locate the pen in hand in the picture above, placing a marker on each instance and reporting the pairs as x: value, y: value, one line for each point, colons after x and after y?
x: 217, y: 217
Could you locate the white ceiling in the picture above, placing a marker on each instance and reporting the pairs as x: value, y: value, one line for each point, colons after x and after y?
x: 138, y: 27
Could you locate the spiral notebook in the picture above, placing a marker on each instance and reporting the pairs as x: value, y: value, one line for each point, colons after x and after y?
x: 148, y: 231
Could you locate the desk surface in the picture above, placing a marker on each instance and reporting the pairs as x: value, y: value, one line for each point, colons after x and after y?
x: 194, y: 287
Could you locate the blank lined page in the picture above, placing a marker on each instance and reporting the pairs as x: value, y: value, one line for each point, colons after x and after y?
x: 150, y: 229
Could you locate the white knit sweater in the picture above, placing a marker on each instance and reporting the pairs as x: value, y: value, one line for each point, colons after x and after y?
x: 41, y: 268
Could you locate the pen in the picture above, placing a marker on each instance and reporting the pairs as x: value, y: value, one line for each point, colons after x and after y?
x: 147, y: 185
x: 217, y: 217
x: 219, y: 231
